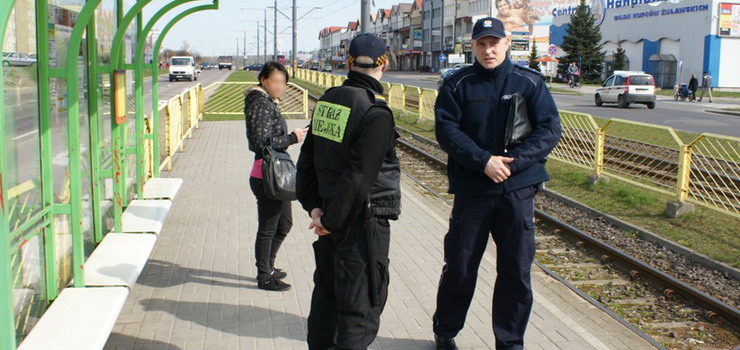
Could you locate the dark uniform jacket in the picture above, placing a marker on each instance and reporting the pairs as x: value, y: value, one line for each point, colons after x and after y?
x: 471, y: 113
x: 349, y: 155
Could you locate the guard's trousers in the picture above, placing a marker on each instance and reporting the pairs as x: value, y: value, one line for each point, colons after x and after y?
x: 509, y: 219
x: 342, y: 315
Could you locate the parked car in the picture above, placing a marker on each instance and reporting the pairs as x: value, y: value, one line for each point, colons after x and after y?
x: 17, y: 59
x: 254, y: 67
x: 444, y: 75
x: 455, y: 67
x: 314, y: 67
x: 326, y: 68
x: 625, y: 88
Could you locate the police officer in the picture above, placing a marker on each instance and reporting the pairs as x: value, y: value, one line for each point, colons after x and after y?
x: 494, y: 185
x: 348, y: 180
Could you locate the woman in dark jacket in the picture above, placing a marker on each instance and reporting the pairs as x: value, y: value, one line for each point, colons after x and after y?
x: 265, y: 125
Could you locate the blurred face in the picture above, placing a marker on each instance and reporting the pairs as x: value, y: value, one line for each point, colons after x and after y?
x: 275, y: 84
x: 503, y: 8
x: 491, y: 51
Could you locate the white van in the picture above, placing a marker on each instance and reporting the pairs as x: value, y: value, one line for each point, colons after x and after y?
x: 626, y: 87
x: 183, y: 67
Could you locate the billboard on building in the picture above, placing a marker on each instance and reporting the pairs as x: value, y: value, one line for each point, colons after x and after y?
x: 729, y: 19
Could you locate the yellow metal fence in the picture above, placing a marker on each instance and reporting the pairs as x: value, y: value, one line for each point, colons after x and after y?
x: 182, y: 114
x: 705, y: 171
x: 227, y: 98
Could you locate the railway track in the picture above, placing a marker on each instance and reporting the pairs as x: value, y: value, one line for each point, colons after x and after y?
x: 665, y: 310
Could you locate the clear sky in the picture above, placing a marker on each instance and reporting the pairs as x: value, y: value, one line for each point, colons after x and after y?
x: 216, y: 32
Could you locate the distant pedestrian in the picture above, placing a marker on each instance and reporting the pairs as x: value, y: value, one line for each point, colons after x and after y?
x: 266, y: 126
x: 706, y: 86
x: 573, y: 74
x: 693, y: 85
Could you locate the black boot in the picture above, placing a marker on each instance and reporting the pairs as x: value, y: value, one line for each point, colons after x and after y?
x: 445, y: 343
x: 272, y: 284
x: 279, y: 274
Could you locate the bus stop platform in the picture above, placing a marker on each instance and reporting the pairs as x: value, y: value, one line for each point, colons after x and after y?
x: 198, y: 289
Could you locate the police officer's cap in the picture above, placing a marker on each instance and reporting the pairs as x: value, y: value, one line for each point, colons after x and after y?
x: 488, y: 26
x: 367, y: 45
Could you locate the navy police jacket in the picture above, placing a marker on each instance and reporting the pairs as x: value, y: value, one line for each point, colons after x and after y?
x: 471, y: 112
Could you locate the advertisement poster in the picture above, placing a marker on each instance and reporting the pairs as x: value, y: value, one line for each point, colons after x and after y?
x: 520, y: 48
x: 729, y: 19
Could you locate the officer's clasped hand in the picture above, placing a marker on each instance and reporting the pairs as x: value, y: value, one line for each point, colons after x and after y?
x: 498, y: 168
x: 315, y: 225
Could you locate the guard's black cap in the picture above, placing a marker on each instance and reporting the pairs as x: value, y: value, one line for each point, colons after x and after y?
x: 367, y: 45
x: 488, y: 26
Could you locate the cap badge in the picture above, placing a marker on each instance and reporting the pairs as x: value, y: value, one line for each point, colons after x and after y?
x: 488, y: 23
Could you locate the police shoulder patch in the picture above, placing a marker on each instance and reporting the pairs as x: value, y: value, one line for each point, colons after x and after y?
x: 530, y: 70
x: 330, y: 120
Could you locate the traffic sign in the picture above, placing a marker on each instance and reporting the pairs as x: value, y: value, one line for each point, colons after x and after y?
x: 442, y: 57
x: 552, y: 50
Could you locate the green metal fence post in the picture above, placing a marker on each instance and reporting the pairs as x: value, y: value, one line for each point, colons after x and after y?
x: 7, y: 318
x: 155, y: 116
x: 73, y: 137
x: 7, y: 324
x: 117, y: 61
x: 45, y: 134
x: 139, y: 116
x: 98, y: 186
x: 117, y: 133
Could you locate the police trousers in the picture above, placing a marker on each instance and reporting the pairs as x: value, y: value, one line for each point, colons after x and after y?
x: 342, y: 315
x: 509, y: 219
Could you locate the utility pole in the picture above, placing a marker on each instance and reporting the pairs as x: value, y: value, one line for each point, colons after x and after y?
x: 244, y: 57
x: 275, y: 34
x: 265, y: 28
x: 258, y: 41
x: 442, y: 35
x: 365, y: 16
x: 237, y: 49
x: 295, y: 38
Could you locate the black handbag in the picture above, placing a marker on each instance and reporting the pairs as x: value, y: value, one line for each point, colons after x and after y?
x: 518, y: 126
x: 278, y: 174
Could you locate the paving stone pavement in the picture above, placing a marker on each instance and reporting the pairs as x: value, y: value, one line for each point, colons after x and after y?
x: 198, y: 289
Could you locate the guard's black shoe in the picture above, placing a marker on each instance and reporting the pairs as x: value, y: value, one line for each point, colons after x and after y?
x: 279, y: 274
x: 273, y: 284
x: 445, y: 343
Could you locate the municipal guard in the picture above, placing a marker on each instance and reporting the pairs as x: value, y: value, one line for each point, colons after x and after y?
x: 348, y: 181
x: 497, y: 122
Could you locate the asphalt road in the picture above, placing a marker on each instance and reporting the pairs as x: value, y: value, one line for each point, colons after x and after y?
x: 688, y: 116
x: 22, y: 104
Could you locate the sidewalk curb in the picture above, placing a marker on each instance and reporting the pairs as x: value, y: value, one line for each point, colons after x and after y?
x: 719, y: 111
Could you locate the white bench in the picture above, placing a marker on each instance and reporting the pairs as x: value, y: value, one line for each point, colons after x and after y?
x: 162, y: 188
x: 79, y: 319
x: 118, y: 260
x: 145, y: 216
